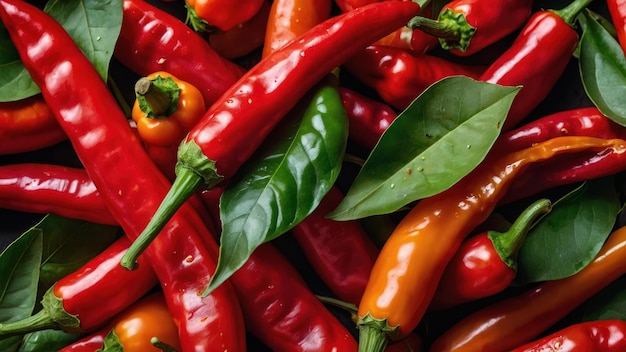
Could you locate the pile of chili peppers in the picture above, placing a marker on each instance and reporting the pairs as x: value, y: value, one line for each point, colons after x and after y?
x: 196, y: 88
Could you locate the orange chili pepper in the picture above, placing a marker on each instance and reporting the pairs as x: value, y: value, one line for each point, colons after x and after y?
x: 516, y: 320
x: 411, y: 263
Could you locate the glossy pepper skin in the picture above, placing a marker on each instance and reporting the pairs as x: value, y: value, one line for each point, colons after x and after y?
x: 69, y: 304
x: 598, y: 335
x: 243, y: 39
x: 220, y: 15
x: 153, y: 40
x: 290, y: 18
x: 411, y: 39
x: 89, y: 343
x: 399, y: 76
x: 486, y: 263
x: 411, y: 263
x: 235, y: 126
x: 55, y: 189
x: 532, y: 312
x: 88, y: 115
x: 165, y: 109
x: 536, y: 59
x: 27, y: 125
x: 133, y: 329
x: 368, y: 118
x: 339, y: 251
x: 617, y: 12
x: 465, y: 27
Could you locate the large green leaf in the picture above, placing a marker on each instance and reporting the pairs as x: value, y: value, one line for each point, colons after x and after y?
x: 568, y: 238
x: 442, y: 136
x: 19, y: 265
x: 47, y: 340
x: 68, y: 244
x: 602, y: 68
x: 93, y: 24
x: 285, y: 182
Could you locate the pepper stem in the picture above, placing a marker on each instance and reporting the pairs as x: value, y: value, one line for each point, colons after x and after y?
x: 374, y: 333
x: 452, y: 29
x: 161, y: 345
x: 507, y: 243
x: 349, y: 307
x: 571, y: 11
x: 40, y: 321
x: 158, y: 97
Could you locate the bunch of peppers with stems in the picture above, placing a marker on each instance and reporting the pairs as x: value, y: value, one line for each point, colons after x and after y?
x: 393, y: 305
x: 83, y: 110
x: 532, y: 312
x: 28, y: 125
x: 235, y: 126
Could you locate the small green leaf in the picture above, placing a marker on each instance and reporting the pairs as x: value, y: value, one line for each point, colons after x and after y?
x: 19, y: 265
x: 602, y: 68
x: 610, y: 303
x: 284, y: 182
x: 93, y: 24
x: 442, y: 136
x: 568, y: 238
x: 47, y: 340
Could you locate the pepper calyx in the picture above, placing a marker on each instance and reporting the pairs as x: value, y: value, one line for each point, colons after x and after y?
x: 158, y: 97
x: 53, y: 305
x: 375, y: 333
x: 197, y: 23
x: 465, y: 30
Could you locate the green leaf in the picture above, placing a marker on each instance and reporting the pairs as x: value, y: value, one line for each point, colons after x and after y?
x: 68, y: 244
x: 19, y: 265
x: 568, y: 238
x: 442, y: 136
x: 93, y: 24
x: 602, y: 66
x: 610, y: 303
x: 47, y: 340
x: 283, y: 183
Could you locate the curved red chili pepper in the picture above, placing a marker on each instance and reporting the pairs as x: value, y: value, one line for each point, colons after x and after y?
x: 485, y: 263
x: 368, y: 118
x: 128, y: 180
x: 532, y: 312
x: 465, y: 27
x: 69, y: 304
x: 234, y: 127
x: 536, y: 59
x: 399, y: 76
x: 153, y: 40
x: 89, y: 343
x: 27, y: 125
x: 617, y: 12
x: 598, y: 335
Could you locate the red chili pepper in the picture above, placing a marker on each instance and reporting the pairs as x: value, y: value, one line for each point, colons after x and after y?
x: 69, y: 304
x: 617, y: 12
x: 339, y: 251
x: 416, y: 253
x: 233, y: 128
x: 532, y: 312
x: 290, y: 18
x: 414, y: 40
x: 27, y: 125
x: 598, y: 335
x: 486, y: 263
x: 536, y: 59
x: 153, y: 40
x: 399, y: 76
x: 368, y: 118
x: 464, y: 27
x: 242, y: 39
x: 220, y: 15
x: 126, y: 178
x: 88, y: 343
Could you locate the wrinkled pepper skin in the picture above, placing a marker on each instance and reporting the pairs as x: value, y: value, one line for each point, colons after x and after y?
x: 69, y: 304
x: 410, y: 264
x: 127, y: 179
x: 234, y: 127
x: 153, y: 40
x: 535, y: 60
x: 532, y: 312
x: 599, y: 336
x: 617, y: 12
x: 399, y: 76
x: 220, y: 15
x: 27, y: 125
